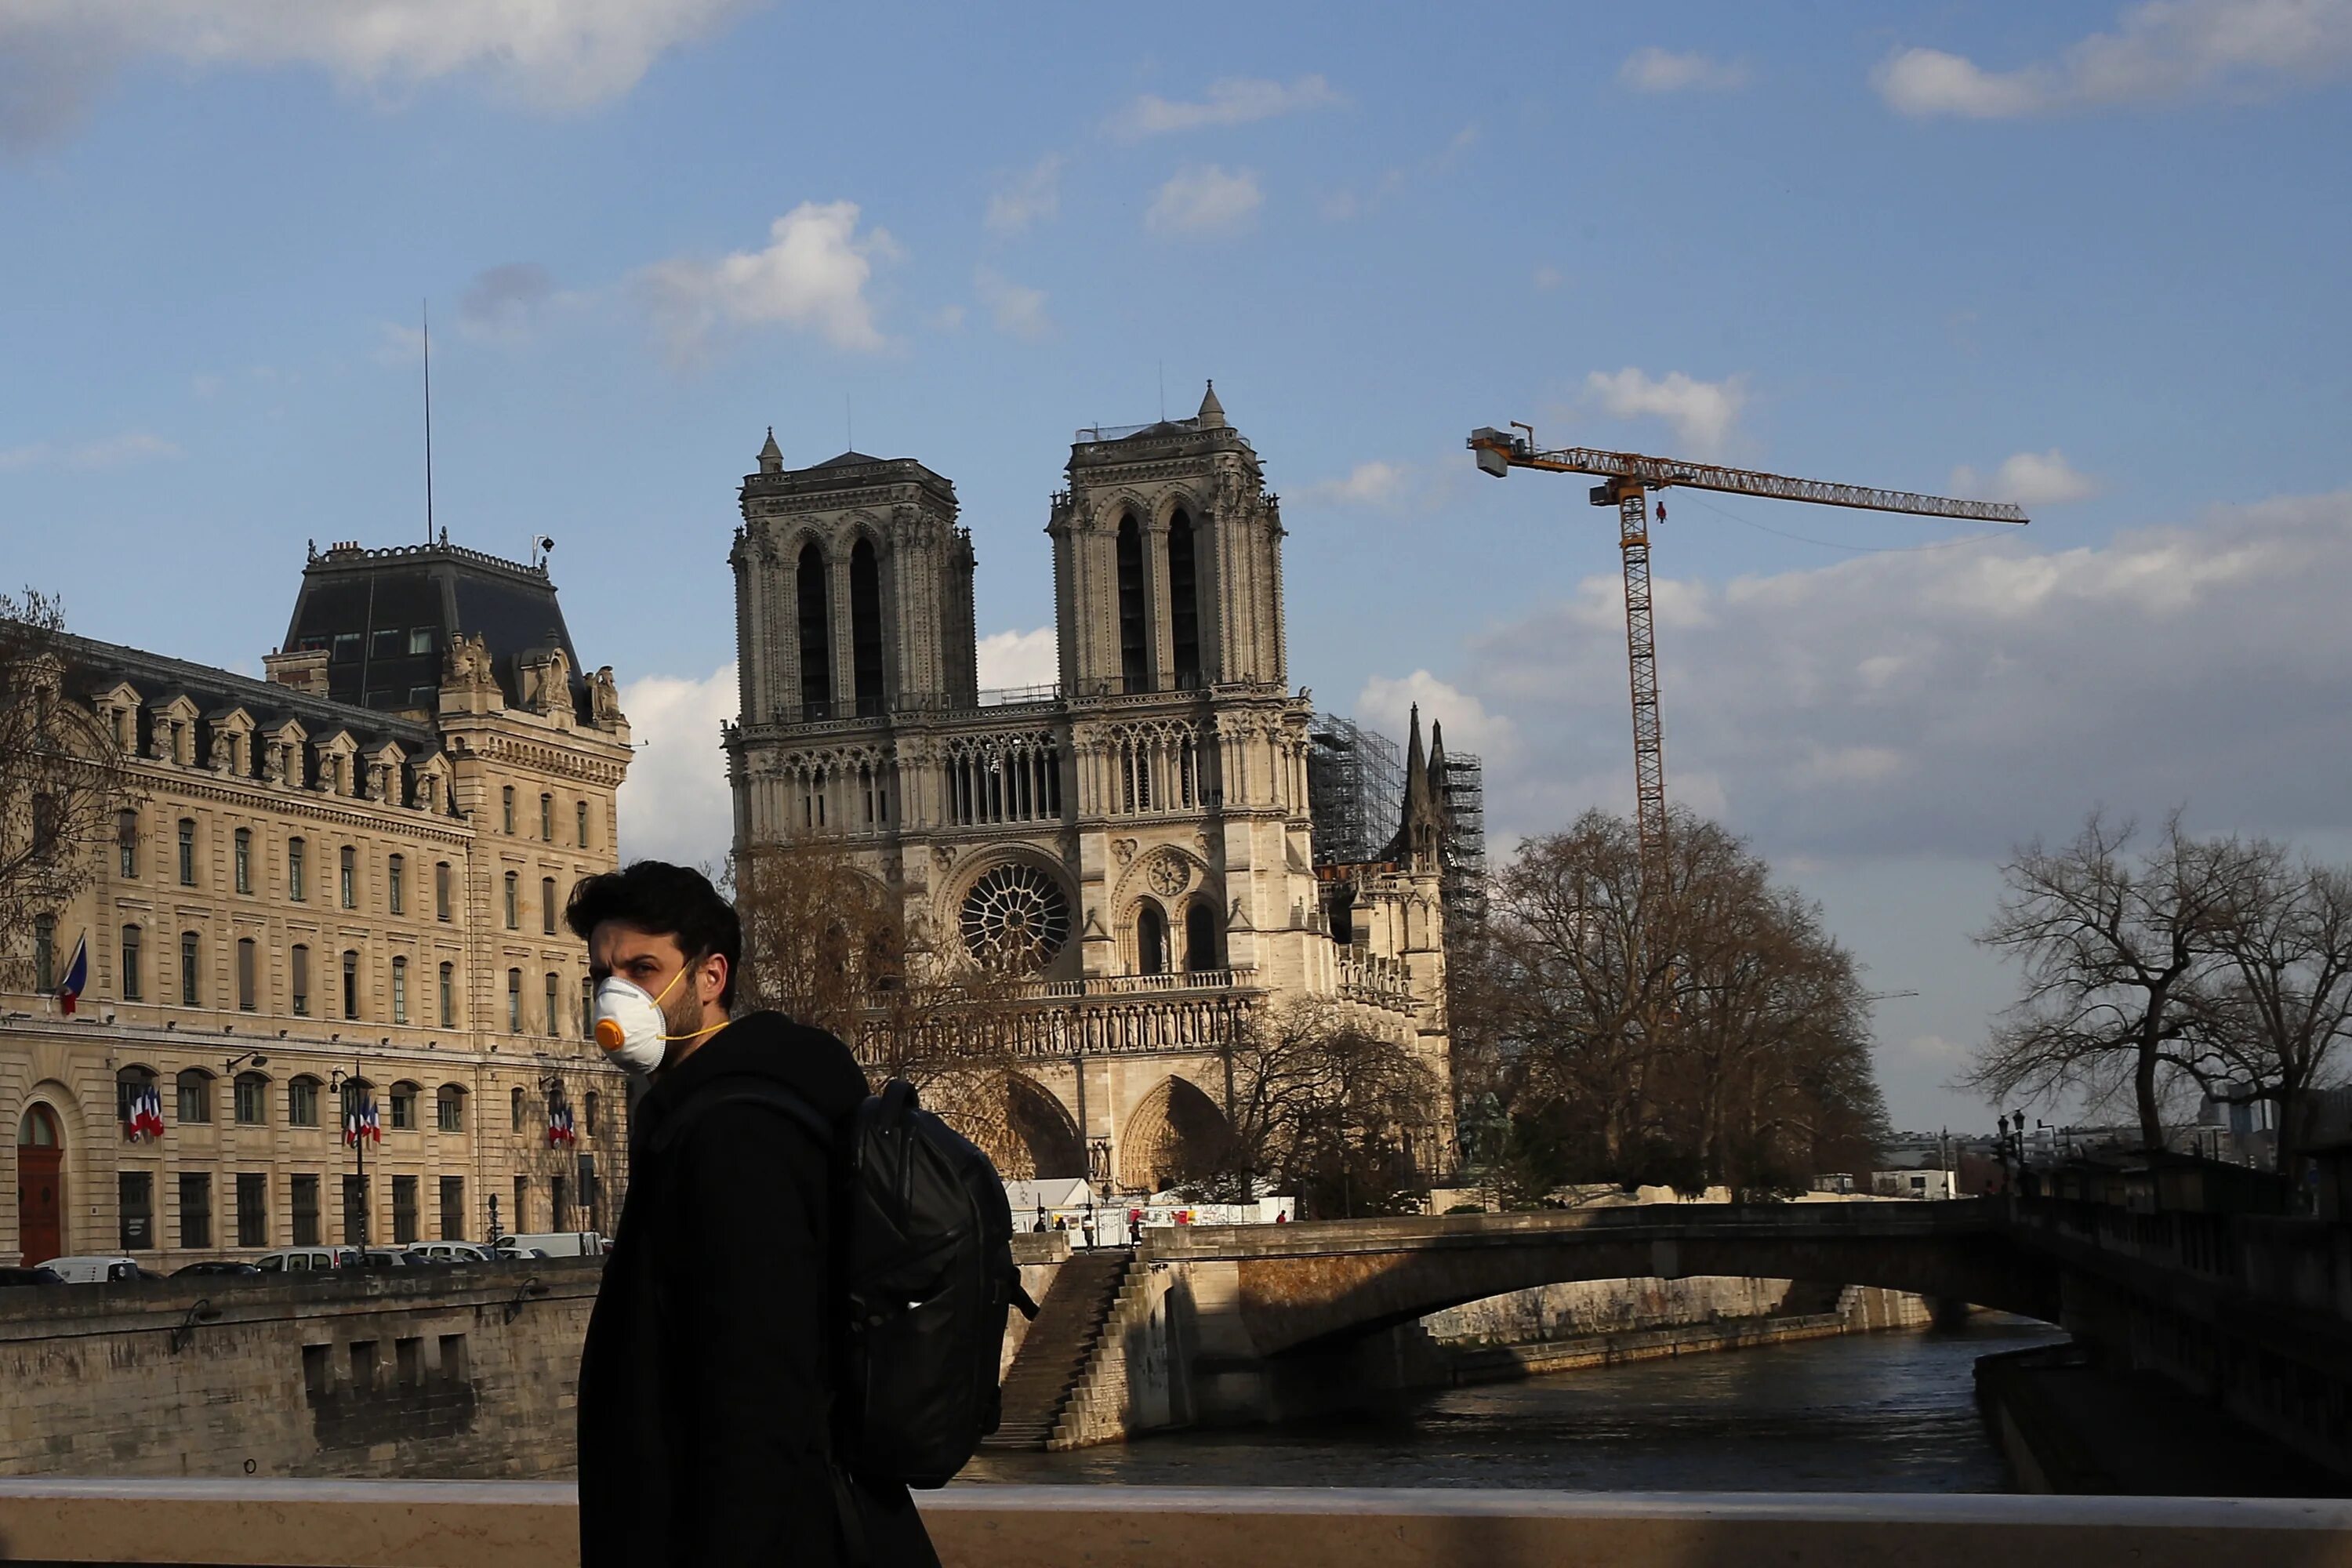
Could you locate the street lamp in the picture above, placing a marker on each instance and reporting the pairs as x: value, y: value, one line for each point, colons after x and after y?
x: 352, y: 1130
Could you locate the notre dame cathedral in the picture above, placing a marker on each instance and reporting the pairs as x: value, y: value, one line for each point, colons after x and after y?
x: 1133, y: 842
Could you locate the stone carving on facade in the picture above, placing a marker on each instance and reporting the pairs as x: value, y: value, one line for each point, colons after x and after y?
x: 466, y: 661
x: 1169, y: 874
x: 224, y: 752
x: 945, y: 855
x: 604, y: 695
x: 1123, y: 850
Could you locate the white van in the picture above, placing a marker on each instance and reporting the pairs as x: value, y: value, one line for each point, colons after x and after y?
x: 305, y: 1259
x: 554, y: 1244
x: 97, y: 1270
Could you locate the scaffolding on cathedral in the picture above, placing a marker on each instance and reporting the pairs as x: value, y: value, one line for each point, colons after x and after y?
x: 1463, y: 791
x: 1355, y: 778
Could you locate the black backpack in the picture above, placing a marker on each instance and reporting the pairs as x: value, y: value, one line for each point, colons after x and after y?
x: 923, y: 1249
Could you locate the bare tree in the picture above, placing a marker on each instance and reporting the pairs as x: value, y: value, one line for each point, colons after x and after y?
x: 1324, y: 1107
x: 2277, y: 1006
x: 63, y: 779
x: 1711, y: 1031
x: 2119, y: 955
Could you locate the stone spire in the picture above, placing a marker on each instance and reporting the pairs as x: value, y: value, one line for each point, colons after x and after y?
x: 1212, y: 412
x: 1438, y: 803
x: 1416, y: 841
x: 772, y: 456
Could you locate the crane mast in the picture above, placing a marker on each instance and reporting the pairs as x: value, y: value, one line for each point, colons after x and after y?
x: 1628, y: 477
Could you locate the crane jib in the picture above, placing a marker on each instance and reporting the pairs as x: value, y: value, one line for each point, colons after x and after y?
x: 1661, y: 473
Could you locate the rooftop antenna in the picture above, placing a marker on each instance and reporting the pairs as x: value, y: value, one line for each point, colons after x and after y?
x: 425, y: 309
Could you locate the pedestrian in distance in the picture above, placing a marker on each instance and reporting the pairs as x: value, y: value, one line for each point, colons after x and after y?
x: 706, y: 1379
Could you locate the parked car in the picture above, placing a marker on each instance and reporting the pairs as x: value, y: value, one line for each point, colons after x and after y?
x: 557, y: 1243
x: 381, y: 1257
x: 221, y: 1266
x: 107, y: 1270
x: 305, y: 1259
x: 448, y: 1252
x: 38, y: 1274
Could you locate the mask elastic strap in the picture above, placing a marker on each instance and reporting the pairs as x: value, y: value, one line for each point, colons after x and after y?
x: 698, y: 1032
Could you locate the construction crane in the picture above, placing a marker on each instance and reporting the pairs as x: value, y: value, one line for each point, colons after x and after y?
x: 1628, y: 478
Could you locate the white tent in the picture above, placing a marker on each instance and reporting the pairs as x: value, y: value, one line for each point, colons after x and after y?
x: 1060, y: 1194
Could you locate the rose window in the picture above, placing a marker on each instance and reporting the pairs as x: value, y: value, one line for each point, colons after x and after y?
x: 1015, y: 918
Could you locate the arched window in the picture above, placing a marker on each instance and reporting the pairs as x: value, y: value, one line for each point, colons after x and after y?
x: 1134, y: 654
x: 302, y: 1101
x: 248, y: 979
x: 404, y: 1106
x: 252, y: 1100
x: 1184, y: 601
x: 816, y: 648
x: 38, y: 1130
x: 514, y: 901
x: 400, y: 991
x: 1151, y: 940
x: 866, y: 628
x: 126, y: 843
x: 242, y: 859
x: 195, y: 1097
x: 133, y: 966
x: 191, y: 949
x: 351, y: 984
x: 449, y: 1109
x: 1200, y: 936
x: 448, y: 995
x: 396, y: 883
x: 297, y: 966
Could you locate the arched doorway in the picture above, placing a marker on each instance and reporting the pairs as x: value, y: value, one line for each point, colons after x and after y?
x: 40, y: 1185
x: 1176, y: 1135
x: 1043, y: 1139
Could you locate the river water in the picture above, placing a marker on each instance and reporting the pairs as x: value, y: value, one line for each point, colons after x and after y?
x: 1894, y: 1410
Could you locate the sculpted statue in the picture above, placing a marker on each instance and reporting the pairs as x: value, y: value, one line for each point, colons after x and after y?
x: 604, y: 696
x: 468, y: 661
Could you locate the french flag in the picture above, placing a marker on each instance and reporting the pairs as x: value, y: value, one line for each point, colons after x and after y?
x: 76, y: 977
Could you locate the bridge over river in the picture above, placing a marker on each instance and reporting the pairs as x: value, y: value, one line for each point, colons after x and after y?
x: 1206, y: 1324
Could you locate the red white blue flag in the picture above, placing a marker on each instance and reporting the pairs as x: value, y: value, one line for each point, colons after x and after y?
x: 559, y: 1127
x: 76, y: 977
x: 362, y: 1124
x: 145, y: 1116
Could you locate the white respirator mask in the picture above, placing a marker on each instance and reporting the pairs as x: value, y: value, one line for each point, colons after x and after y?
x: 630, y: 1025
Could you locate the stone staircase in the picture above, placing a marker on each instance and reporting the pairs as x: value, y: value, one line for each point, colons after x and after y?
x: 1058, y: 1347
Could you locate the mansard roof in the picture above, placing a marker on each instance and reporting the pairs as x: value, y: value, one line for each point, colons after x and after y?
x: 369, y: 609
x: 96, y: 669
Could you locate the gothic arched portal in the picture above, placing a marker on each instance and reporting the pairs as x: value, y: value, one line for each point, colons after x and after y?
x: 816, y: 646
x: 1176, y: 1135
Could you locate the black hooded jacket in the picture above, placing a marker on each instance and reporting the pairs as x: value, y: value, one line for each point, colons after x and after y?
x: 704, y: 1382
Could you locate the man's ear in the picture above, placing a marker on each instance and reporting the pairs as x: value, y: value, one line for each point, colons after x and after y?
x: 711, y: 982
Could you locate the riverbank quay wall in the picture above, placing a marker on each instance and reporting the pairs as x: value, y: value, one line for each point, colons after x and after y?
x: 460, y: 1372
x: 2252, y: 1312
x: 422, y: 1524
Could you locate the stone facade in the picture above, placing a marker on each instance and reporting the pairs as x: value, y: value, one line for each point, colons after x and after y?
x: 352, y: 870
x: 1134, y: 842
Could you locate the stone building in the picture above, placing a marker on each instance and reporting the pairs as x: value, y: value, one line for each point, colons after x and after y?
x: 338, y: 886
x: 1134, y: 842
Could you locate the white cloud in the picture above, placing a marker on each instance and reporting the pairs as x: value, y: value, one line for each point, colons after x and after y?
x: 1031, y: 199
x: 811, y: 277
x: 1009, y: 660
x: 502, y: 301
x: 2028, y: 478
x: 1019, y: 312
x: 2161, y: 51
x: 1236, y: 100
x: 55, y: 54
x: 1654, y: 69
x: 1703, y: 413
x: 1205, y: 200
x: 674, y: 804
x: 105, y: 452
x: 1386, y: 704
x: 1954, y: 701
x: 1375, y: 483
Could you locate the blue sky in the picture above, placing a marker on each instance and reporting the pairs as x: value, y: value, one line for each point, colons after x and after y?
x: 2088, y: 256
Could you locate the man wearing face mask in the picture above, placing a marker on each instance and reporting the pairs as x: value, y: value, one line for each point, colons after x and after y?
x: 705, y: 1390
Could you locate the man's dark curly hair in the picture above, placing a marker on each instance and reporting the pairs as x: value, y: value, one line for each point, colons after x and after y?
x: 666, y: 900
